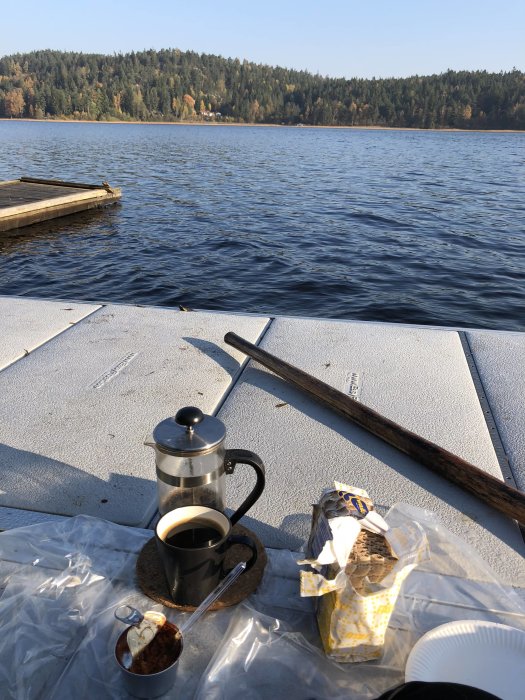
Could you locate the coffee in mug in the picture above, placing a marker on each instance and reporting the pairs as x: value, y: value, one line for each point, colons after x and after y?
x: 193, y: 535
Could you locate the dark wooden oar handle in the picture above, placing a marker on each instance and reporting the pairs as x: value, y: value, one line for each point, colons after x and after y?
x: 496, y: 493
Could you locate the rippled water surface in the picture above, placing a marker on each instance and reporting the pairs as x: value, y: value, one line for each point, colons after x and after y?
x: 417, y: 227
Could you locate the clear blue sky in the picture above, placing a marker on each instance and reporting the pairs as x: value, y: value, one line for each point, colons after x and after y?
x: 341, y: 38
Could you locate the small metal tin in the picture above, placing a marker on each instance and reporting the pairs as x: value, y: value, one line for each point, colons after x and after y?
x: 150, y: 685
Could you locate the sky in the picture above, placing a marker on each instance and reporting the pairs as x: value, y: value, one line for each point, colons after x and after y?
x: 341, y: 38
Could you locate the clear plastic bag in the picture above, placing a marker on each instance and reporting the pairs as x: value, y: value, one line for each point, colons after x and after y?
x: 264, y: 658
x: 261, y: 657
x: 60, y: 583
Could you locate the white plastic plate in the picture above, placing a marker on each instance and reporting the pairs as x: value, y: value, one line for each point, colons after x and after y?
x: 485, y: 655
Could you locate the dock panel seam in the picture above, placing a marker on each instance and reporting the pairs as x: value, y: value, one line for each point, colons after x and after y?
x: 497, y: 442
x: 242, y: 367
x: 50, y: 339
x: 492, y: 426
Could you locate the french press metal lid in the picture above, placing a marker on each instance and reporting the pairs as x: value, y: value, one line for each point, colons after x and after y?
x: 189, y: 433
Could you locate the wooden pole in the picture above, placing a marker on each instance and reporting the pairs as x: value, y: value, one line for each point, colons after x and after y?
x: 487, y: 488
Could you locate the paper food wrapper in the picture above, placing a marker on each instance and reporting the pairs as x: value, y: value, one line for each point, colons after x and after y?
x: 357, y: 576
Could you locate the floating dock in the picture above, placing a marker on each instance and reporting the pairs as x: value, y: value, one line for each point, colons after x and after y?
x: 82, y: 384
x: 28, y: 200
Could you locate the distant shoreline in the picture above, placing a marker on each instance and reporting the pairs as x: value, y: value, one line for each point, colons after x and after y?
x: 275, y: 126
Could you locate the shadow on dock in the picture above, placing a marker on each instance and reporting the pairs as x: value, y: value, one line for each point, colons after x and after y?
x: 32, y: 481
x: 216, y: 353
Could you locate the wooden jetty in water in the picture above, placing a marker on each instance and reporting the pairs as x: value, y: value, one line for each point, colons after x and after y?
x: 29, y: 200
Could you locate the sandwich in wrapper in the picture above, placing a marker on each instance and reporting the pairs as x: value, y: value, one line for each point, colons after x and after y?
x: 359, y: 564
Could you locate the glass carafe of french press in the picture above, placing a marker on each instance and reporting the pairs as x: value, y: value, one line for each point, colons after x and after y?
x: 192, y: 463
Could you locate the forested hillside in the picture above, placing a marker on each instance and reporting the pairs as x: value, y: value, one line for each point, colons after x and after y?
x: 174, y: 85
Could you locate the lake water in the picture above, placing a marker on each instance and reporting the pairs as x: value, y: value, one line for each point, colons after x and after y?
x: 402, y: 226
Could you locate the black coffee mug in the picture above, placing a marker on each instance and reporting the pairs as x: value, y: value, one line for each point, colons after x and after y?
x: 192, y: 543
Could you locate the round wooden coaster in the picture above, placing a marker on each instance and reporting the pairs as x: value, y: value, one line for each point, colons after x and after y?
x: 152, y: 581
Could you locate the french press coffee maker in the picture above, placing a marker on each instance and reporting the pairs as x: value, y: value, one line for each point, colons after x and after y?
x: 192, y: 463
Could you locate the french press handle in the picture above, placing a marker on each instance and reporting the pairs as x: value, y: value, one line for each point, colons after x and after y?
x: 231, y: 459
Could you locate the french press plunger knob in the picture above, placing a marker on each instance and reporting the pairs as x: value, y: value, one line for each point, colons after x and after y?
x: 190, y: 417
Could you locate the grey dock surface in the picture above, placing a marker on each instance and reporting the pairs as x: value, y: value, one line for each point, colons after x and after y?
x: 27, y: 200
x: 82, y: 384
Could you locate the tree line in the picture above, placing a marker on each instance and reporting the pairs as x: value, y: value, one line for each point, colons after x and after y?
x: 173, y: 85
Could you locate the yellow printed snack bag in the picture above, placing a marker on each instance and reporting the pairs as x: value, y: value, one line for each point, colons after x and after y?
x: 359, y: 565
